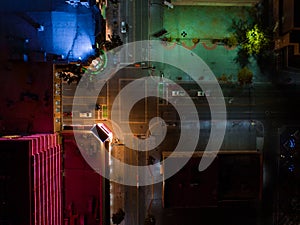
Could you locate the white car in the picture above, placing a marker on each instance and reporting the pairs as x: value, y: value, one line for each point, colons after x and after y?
x: 123, y: 27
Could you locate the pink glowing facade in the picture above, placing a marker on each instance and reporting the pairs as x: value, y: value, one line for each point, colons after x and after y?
x: 31, y: 180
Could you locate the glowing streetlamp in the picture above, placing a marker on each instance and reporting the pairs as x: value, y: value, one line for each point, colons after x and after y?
x: 101, y: 132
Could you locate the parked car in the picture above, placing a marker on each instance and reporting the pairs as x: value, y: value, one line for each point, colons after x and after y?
x: 124, y: 27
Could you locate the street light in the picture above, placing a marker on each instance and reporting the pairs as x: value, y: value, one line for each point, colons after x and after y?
x: 156, y: 3
x: 164, y: 3
x: 101, y: 132
x: 169, y: 4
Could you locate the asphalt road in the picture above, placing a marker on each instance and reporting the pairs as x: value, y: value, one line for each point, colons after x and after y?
x: 135, y: 13
x: 264, y: 102
x: 271, y: 104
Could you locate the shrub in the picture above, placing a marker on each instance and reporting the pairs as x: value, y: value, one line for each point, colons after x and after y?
x: 225, y: 78
x: 169, y: 39
x: 245, y: 76
x: 195, y: 40
x: 230, y: 41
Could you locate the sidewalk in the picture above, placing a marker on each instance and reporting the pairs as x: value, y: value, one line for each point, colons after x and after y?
x: 185, y: 23
x: 112, y: 18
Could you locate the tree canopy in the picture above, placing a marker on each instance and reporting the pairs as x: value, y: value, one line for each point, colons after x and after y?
x: 256, y: 40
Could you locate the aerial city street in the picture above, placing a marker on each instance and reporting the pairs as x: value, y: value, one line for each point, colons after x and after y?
x: 150, y: 112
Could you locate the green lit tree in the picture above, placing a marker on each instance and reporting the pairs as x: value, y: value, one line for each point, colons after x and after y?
x: 256, y: 41
x: 252, y: 33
